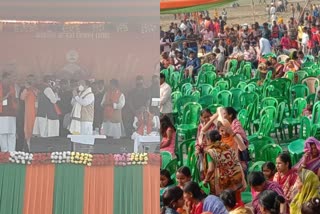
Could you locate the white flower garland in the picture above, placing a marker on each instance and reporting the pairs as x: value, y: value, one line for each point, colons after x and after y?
x: 21, y: 157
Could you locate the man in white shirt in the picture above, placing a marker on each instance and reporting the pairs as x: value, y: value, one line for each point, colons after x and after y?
x: 183, y: 27
x: 265, y: 46
x: 272, y: 9
x: 165, y: 42
x: 83, y: 108
x: 165, y: 97
x: 304, y: 41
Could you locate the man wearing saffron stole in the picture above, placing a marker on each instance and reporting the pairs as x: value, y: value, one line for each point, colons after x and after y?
x: 29, y: 96
x: 113, y: 103
x: 145, y: 123
x: 8, y: 110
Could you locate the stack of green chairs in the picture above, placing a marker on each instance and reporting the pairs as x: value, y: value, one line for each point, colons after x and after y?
x: 183, y: 150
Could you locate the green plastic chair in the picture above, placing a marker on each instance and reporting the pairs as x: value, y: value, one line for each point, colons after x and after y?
x: 265, y: 126
x: 247, y: 71
x: 256, y: 167
x: 270, y: 152
x: 310, y: 99
x: 242, y: 85
x: 207, y: 67
x: 207, y: 100
x: 289, y: 75
x: 167, y: 74
x: 172, y: 166
x: 250, y: 97
x: 243, y: 117
x: 223, y: 84
x: 294, y: 119
x: 205, y: 89
x: 278, y: 123
x: 256, y: 143
x: 201, y: 78
x: 235, y: 79
x: 186, y: 89
x: 269, y: 101
x: 280, y: 89
x: 301, y: 75
x: 190, y: 119
x: 225, y: 98
x: 316, y: 115
x: 236, y: 92
x: 251, y: 88
x: 175, y: 80
x: 210, y: 77
x: 174, y: 98
x: 299, y: 90
x: 196, y: 94
x: 166, y: 157
x: 215, y: 91
x: 181, y: 103
x: 271, y: 111
x: 228, y: 74
x: 183, y: 150
x: 213, y: 108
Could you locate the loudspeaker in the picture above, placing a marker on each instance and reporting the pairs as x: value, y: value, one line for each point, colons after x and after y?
x: 50, y: 144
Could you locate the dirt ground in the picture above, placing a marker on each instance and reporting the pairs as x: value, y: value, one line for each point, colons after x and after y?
x: 242, y: 14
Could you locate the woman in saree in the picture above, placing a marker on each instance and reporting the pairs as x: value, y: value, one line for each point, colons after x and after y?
x: 222, y: 168
x: 311, y: 158
x: 285, y: 176
x: 308, y: 186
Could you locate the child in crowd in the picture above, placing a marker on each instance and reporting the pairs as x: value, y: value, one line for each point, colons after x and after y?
x: 268, y: 169
x: 172, y: 200
x: 183, y: 176
x: 165, y: 182
x: 193, y: 197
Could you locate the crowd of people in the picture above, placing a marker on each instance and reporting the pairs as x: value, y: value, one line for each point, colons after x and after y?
x: 221, y: 147
x: 50, y: 107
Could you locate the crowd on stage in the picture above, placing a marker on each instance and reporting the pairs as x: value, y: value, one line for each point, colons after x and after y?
x: 275, y: 47
x: 46, y: 106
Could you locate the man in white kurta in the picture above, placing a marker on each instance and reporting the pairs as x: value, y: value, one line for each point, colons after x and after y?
x: 47, y: 120
x: 8, y: 109
x: 84, y: 99
x: 113, y: 103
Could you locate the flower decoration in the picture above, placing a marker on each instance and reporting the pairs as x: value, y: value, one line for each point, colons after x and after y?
x: 21, y: 157
x: 130, y: 159
x: 61, y: 157
x: 81, y: 158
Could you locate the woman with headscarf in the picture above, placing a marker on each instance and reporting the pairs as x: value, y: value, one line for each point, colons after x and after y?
x: 213, y: 204
x: 222, y: 167
x: 311, y: 157
x: 308, y: 185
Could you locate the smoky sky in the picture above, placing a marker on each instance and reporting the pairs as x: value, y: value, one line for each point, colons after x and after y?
x: 81, y: 10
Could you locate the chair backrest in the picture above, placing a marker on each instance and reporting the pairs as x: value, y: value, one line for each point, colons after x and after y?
x: 299, y: 90
x: 172, y: 166
x: 305, y: 128
x: 289, y: 75
x: 265, y: 125
x: 207, y: 100
x: 210, y: 77
x: 236, y: 92
x: 270, y: 152
x: 248, y: 97
x: 186, y: 89
x: 243, y: 117
x: 196, y: 94
x: 215, y: 91
x: 242, y: 85
x: 316, y: 113
x: 183, y: 150
x: 175, y: 80
x: 166, y: 157
x: 282, y: 58
x: 207, y: 67
x: 251, y: 87
x: 213, y: 108
x: 201, y: 78
x: 271, y: 111
x: 299, y: 105
x: 312, y: 83
x: 205, y: 89
x: 247, y: 71
x: 280, y: 112
x: 258, y: 142
x: 174, y: 98
x: 167, y: 74
x: 235, y: 79
x: 223, y: 84
x: 225, y: 98
x: 182, y: 101
x: 256, y: 167
x: 301, y: 75
x: 191, y: 113
x: 310, y: 98
x: 269, y: 101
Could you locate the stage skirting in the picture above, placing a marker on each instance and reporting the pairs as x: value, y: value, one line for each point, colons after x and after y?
x: 107, y: 186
